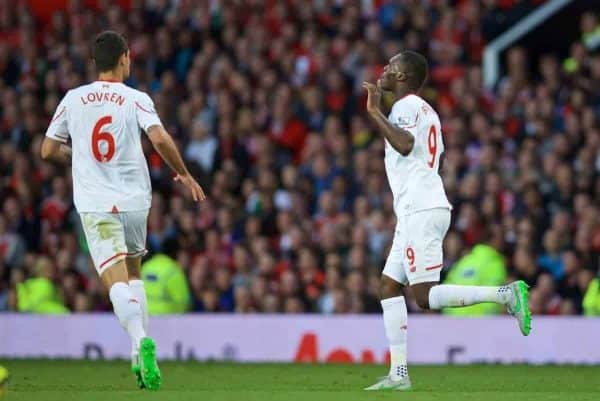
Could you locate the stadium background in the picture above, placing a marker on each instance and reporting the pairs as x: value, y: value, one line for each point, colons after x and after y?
x: 264, y: 98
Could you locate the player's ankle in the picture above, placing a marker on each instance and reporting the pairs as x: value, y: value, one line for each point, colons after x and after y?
x: 399, y: 372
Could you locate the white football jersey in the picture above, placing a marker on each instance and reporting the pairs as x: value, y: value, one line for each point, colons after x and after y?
x: 414, y: 179
x: 104, y: 120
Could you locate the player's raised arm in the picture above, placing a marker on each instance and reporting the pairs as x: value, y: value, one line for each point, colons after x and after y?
x: 400, y: 139
x: 165, y: 146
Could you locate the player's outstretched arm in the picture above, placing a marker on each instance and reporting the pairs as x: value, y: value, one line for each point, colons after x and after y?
x: 400, y: 139
x: 55, y: 151
x: 166, y: 148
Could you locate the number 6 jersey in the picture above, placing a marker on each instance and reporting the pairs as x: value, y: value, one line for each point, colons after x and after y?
x: 104, y: 120
x: 414, y: 179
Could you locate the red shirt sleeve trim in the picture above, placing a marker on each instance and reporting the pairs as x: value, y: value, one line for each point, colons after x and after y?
x: 143, y: 109
x: 58, y: 115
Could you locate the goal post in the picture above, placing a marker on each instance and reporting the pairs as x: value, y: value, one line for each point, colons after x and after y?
x: 491, y: 53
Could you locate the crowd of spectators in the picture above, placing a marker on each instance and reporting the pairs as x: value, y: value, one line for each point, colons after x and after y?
x: 264, y: 98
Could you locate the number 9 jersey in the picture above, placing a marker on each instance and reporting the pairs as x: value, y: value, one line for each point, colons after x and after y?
x: 104, y: 120
x: 414, y: 179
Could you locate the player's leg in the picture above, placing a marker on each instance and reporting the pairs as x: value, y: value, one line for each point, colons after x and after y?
x: 137, y: 289
x: 395, y: 318
x: 125, y: 305
x: 437, y: 296
x: 427, y: 231
x: 135, y: 227
x: 515, y: 296
x: 143, y: 359
x: 105, y: 236
x: 137, y: 286
x: 104, y: 233
x: 128, y: 310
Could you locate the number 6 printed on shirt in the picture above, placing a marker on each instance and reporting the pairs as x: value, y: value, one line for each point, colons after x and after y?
x: 98, y: 136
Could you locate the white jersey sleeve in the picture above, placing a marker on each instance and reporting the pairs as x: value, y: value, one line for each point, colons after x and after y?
x: 145, y: 112
x: 58, y: 129
x: 404, y: 114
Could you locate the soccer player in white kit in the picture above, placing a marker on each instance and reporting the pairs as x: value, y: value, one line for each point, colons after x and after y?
x: 413, y: 146
x: 111, y: 184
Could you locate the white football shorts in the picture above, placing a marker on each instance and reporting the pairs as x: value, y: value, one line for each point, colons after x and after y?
x: 416, y: 255
x: 112, y: 237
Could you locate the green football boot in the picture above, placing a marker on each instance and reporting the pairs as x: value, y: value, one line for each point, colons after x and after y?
x: 387, y: 384
x: 149, y: 370
x: 518, y: 306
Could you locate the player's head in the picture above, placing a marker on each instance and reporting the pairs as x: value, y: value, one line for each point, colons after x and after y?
x: 406, y: 70
x: 111, y: 53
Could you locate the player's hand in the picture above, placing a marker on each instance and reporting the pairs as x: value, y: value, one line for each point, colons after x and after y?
x: 194, y: 187
x: 373, y: 96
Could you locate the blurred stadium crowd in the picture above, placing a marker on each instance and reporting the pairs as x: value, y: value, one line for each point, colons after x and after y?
x: 264, y: 98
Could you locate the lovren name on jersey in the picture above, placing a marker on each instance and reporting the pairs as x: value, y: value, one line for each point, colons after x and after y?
x: 92, y: 97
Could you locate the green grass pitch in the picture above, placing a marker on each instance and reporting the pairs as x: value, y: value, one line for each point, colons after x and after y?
x: 44, y: 380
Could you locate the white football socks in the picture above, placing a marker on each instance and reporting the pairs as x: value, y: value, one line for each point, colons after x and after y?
x: 395, y: 319
x: 447, y: 295
x: 139, y: 293
x: 128, y: 310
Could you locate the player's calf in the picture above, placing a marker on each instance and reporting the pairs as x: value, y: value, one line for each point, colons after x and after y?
x: 448, y: 295
x: 395, y: 321
x: 514, y: 296
x: 128, y: 311
x: 421, y: 292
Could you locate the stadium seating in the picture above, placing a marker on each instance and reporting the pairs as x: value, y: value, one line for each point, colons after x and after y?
x: 266, y: 104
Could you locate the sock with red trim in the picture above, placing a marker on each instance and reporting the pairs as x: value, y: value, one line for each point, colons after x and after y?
x: 447, y: 295
x: 395, y: 318
x: 128, y: 310
x: 138, y: 291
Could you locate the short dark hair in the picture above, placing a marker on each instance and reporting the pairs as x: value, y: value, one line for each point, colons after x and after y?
x: 109, y: 46
x: 415, y: 67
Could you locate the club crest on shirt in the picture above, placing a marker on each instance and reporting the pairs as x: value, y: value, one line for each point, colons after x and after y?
x: 403, y: 121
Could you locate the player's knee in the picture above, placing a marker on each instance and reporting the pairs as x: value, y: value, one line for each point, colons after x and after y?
x: 422, y: 300
x: 134, y: 268
x: 421, y: 293
x: 133, y: 274
x: 389, y: 288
